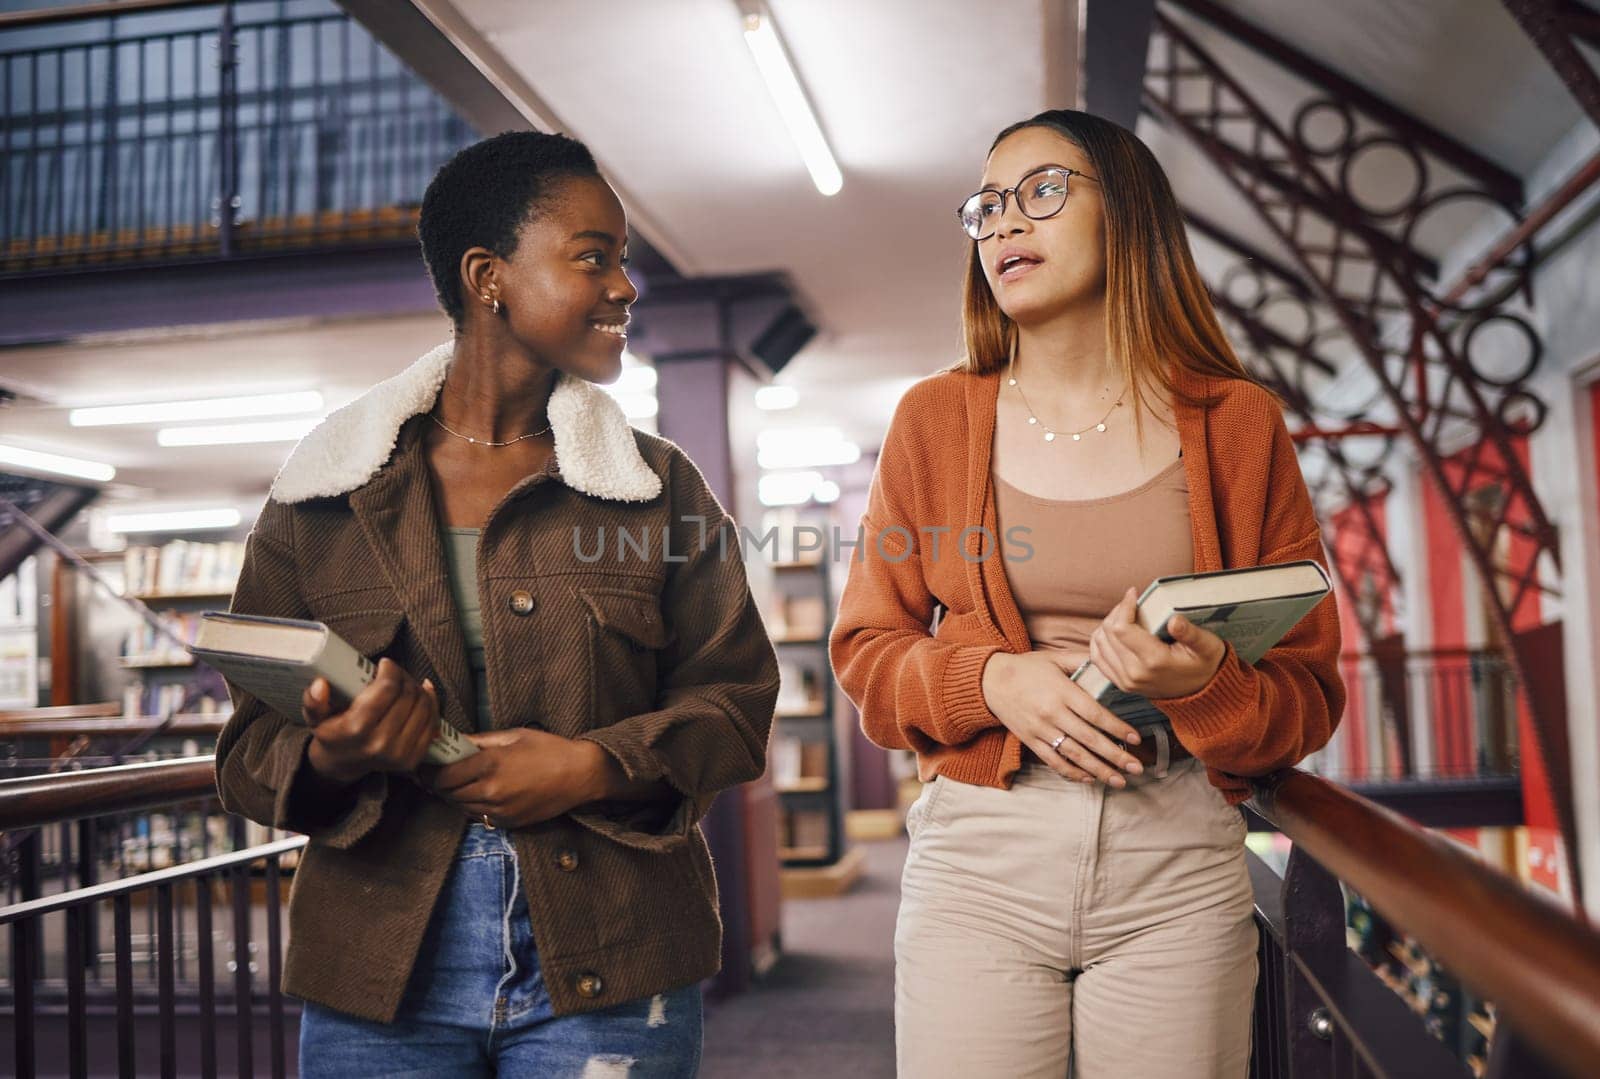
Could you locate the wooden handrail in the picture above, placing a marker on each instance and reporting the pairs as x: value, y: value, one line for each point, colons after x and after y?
x: 46, y: 727
x: 31, y: 801
x: 102, y: 710
x: 1538, y: 962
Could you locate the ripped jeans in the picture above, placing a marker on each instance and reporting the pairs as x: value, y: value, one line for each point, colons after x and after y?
x: 476, y: 1004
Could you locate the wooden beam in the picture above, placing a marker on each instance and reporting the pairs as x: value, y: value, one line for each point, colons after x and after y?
x: 1115, y: 42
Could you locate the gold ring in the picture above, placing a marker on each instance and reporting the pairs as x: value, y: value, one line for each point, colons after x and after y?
x: 487, y: 823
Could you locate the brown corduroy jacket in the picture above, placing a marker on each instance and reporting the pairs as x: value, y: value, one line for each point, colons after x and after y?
x: 661, y: 658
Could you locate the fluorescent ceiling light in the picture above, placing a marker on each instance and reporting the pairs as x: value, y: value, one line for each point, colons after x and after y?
x: 788, y: 488
x: 773, y: 398
x: 804, y: 447
x: 638, y: 406
x: 173, y: 520
x: 234, y: 433
x: 639, y: 379
x: 55, y: 464
x: 215, y: 408
x: 772, y: 59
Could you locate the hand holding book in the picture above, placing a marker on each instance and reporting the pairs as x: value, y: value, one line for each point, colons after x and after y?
x: 1157, y: 645
x: 388, y: 727
x: 1138, y: 661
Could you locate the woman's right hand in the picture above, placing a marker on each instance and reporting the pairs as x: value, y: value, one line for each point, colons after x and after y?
x: 1033, y: 694
x: 387, y: 728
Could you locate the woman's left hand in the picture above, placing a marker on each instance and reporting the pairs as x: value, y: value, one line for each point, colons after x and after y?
x: 522, y: 776
x: 1137, y: 661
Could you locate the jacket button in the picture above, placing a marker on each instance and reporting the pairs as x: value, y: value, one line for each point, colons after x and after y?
x: 590, y: 985
x: 567, y: 860
x: 521, y: 602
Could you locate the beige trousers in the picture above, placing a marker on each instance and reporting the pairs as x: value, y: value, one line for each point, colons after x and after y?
x: 1063, y: 928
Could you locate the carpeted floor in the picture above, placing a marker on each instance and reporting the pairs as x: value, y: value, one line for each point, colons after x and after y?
x: 827, y: 1008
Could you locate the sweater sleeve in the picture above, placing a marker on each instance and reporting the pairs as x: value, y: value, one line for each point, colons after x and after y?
x: 717, y: 687
x: 913, y: 691
x: 1251, y: 720
x: 262, y: 770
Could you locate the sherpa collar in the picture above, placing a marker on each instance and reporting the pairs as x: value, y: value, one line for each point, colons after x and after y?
x: 595, y: 448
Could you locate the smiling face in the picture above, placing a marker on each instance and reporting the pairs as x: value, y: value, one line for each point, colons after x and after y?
x: 1037, y: 269
x: 564, y: 288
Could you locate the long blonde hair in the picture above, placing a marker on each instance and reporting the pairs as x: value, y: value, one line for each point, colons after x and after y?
x: 1158, y: 312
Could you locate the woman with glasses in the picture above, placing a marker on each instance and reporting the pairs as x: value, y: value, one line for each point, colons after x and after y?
x: 1076, y: 891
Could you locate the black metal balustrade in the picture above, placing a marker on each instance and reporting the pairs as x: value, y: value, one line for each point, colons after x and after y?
x: 207, y: 957
x: 210, y: 132
x: 1443, y: 713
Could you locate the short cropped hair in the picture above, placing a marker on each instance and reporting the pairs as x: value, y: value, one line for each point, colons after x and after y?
x: 483, y: 196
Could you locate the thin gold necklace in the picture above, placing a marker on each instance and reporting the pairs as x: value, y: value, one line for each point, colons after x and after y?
x: 1049, y: 434
x: 484, y: 441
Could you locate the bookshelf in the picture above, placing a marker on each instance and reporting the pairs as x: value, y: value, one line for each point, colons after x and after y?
x: 804, y: 754
x: 124, y: 658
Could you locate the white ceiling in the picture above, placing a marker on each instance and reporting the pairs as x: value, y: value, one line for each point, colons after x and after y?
x: 909, y: 92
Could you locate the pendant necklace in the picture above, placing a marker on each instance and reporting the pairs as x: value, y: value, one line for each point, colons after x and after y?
x: 484, y: 441
x: 1033, y: 418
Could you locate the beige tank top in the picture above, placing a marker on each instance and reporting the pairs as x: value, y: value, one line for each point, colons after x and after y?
x: 1088, y: 552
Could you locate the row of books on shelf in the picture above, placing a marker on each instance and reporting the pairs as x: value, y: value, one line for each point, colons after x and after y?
x: 799, y: 692
x: 163, y: 840
x: 182, y: 568
x: 797, y: 763
x: 141, y: 698
x: 144, y: 646
x: 19, y: 595
x: 804, y: 833
x: 796, y: 618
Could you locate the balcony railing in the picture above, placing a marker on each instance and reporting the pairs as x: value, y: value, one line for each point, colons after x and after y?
x: 210, y: 132
x: 1445, y: 713
x: 1321, y: 1011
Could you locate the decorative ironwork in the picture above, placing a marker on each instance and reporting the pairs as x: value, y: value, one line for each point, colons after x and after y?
x: 1426, y: 347
x: 1553, y: 25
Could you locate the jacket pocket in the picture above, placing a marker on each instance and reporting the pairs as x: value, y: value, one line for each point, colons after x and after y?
x: 370, y: 631
x: 636, y: 616
x: 626, y: 630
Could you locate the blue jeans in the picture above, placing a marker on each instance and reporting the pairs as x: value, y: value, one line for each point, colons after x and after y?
x: 476, y: 1004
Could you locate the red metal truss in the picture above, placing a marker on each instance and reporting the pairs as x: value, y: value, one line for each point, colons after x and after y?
x: 1453, y: 369
x: 1269, y: 352
x: 1276, y: 321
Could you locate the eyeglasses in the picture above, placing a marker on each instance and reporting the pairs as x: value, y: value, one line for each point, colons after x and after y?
x: 1040, y: 194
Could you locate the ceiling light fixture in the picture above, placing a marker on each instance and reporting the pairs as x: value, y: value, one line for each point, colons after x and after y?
x: 55, y: 464
x: 215, y: 408
x: 173, y: 520
x: 236, y: 433
x: 775, y: 398
x: 772, y: 59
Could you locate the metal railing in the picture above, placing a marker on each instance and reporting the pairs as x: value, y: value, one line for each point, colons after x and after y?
x: 210, y: 132
x: 1322, y: 1011
x: 216, y: 976
x: 1444, y: 713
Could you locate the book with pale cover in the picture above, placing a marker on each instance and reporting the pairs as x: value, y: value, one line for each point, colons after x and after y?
x: 1251, y: 608
x: 276, y: 659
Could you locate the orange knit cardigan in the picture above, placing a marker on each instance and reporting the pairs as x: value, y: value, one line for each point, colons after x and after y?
x: 922, y: 689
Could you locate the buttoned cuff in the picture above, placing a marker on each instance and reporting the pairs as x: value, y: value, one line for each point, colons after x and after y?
x: 638, y: 824
x: 297, y: 809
